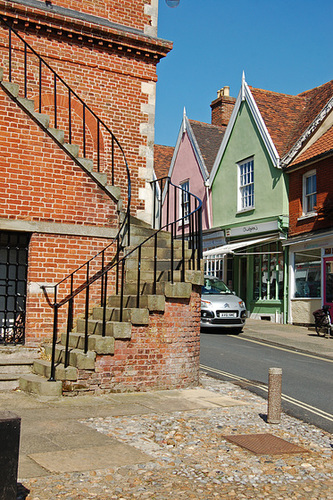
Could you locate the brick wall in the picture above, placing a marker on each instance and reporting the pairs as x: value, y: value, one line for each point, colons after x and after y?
x: 324, y: 172
x: 40, y: 183
x: 163, y: 355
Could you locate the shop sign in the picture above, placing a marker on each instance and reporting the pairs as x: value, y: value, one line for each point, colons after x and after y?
x: 213, y: 240
x: 262, y: 227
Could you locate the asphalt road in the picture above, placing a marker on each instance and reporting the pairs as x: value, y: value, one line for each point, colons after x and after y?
x: 307, y: 380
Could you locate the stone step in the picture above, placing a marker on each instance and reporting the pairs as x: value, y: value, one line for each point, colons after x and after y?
x: 154, y: 303
x: 146, y: 288
x: 42, y: 367
x: 115, y: 329
x: 148, y: 265
x: 40, y: 386
x: 133, y: 315
x: 15, y: 365
x: 96, y: 343
x: 163, y: 253
x: 9, y: 381
x: 163, y: 240
x: 76, y: 357
x: 148, y: 276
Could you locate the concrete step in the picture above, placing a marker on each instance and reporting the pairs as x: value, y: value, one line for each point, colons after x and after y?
x: 40, y: 386
x: 43, y: 368
x: 96, y: 343
x: 115, y: 329
x: 76, y: 357
x: 133, y: 315
x: 151, y: 302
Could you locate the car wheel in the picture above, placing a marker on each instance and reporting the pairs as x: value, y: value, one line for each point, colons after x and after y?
x: 237, y: 331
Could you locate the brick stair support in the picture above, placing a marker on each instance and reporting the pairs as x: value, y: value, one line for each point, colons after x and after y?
x: 135, y: 353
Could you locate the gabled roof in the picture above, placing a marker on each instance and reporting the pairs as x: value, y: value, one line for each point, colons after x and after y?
x: 162, y: 160
x: 209, y: 138
x: 285, y: 122
x: 205, y: 140
x: 287, y: 117
x: 320, y: 149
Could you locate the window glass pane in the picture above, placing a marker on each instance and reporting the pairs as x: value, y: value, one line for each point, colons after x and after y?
x: 307, y: 273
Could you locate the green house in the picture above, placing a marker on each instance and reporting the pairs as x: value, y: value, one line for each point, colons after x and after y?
x: 249, y: 197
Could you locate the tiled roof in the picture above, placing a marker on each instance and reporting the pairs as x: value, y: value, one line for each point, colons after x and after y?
x: 162, y: 160
x: 287, y: 116
x: 323, y: 146
x: 209, y: 138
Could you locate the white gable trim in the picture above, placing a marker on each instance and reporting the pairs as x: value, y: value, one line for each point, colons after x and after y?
x: 311, y: 134
x: 245, y: 94
x: 187, y: 129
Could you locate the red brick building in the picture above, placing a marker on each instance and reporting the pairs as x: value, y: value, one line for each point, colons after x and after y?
x: 77, y: 107
x: 309, y: 166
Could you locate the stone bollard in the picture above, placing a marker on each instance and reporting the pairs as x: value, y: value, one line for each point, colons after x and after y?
x: 9, y: 453
x: 274, y: 395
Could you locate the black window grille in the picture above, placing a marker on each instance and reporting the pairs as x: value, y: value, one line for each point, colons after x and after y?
x: 13, y: 286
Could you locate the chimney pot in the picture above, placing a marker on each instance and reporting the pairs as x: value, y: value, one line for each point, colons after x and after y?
x: 226, y: 91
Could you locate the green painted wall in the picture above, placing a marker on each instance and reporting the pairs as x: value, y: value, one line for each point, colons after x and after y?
x: 270, y: 189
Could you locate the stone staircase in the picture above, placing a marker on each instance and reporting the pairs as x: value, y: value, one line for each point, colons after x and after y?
x: 89, y: 370
x: 153, y: 299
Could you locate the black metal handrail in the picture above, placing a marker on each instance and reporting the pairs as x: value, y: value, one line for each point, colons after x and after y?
x: 184, y: 226
x: 76, y: 130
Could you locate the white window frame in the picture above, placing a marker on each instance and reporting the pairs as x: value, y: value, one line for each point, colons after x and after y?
x: 306, y: 196
x: 184, y: 185
x: 244, y: 185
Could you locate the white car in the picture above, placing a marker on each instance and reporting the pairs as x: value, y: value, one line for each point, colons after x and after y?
x: 220, y: 307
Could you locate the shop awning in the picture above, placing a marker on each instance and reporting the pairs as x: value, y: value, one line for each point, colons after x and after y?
x: 231, y: 247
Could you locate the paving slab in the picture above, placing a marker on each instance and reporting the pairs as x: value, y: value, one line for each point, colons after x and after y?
x: 92, y: 458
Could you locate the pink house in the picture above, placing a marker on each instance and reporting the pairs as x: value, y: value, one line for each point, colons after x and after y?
x: 193, y: 158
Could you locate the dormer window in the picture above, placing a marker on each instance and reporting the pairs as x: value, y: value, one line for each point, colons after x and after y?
x: 309, y: 192
x: 245, y: 185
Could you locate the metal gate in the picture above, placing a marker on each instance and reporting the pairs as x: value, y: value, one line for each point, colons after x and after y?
x: 13, y: 286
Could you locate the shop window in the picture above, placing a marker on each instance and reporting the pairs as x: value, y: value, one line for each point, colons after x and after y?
x: 309, y: 192
x: 268, y: 272
x: 307, y: 273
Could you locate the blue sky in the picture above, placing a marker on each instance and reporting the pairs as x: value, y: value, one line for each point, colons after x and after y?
x: 282, y: 45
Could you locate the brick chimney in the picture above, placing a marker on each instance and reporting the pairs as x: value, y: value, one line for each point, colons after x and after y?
x: 222, y: 107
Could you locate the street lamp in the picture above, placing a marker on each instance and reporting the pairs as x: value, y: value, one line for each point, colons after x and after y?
x: 172, y: 3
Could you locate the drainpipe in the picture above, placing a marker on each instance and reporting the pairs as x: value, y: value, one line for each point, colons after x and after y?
x: 208, y: 204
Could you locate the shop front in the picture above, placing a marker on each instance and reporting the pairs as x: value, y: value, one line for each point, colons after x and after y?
x: 310, y: 276
x: 255, y: 268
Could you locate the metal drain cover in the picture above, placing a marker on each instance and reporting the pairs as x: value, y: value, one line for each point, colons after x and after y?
x: 265, y: 444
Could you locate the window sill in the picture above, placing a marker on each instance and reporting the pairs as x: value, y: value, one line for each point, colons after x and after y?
x: 305, y: 298
x: 245, y: 210
x: 307, y: 216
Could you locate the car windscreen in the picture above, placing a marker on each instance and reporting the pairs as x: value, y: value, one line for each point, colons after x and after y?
x: 213, y: 287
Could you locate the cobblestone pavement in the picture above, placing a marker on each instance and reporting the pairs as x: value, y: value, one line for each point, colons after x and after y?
x: 191, y: 459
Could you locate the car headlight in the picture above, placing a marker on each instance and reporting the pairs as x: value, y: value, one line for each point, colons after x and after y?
x: 205, y: 303
x: 241, y: 304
